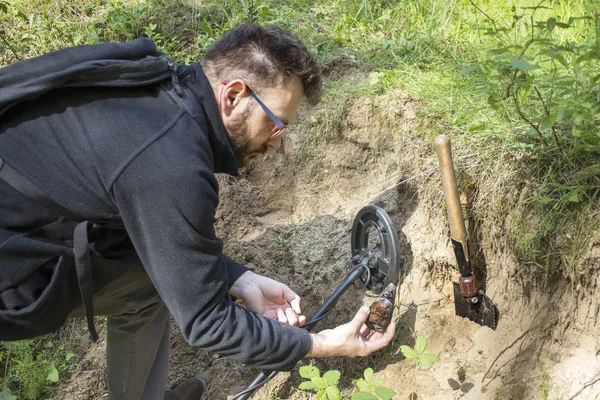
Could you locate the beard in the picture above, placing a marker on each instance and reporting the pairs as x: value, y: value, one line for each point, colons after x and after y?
x: 241, y: 142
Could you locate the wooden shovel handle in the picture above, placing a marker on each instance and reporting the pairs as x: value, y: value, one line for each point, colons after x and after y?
x: 455, y: 216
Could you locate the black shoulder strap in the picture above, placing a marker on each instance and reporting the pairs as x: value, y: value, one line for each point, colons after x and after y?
x: 24, y: 185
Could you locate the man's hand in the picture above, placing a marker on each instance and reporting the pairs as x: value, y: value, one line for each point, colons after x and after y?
x: 269, y: 298
x: 351, y: 339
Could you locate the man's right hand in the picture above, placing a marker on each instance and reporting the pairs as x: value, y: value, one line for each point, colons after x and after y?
x: 351, y: 339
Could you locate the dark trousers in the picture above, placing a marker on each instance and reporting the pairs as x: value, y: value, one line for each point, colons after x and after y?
x: 137, y: 350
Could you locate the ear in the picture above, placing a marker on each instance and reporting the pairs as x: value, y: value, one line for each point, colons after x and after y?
x: 232, y: 95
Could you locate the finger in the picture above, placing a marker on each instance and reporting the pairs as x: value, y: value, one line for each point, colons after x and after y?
x: 293, y: 299
x: 292, y: 317
x: 301, y: 320
x: 281, y: 317
x: 360, y: 318
x: 295, y: 304
x: 365, y: 331
x: 381, y: 339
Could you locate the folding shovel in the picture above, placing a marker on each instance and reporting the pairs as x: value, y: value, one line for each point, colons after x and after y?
x: 469, y: 300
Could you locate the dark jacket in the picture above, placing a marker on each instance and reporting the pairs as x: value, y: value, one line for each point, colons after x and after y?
x: 148, y: 157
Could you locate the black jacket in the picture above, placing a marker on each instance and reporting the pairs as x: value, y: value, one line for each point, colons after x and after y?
x: 148, y: 157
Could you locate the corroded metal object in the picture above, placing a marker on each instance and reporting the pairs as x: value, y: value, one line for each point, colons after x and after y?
x: 380, y: 312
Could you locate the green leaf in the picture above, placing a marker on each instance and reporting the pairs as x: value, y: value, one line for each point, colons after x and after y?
x: 427, y: 360
x: 309, y: 371
x: 467, y: 69
x: 308, y: 385
x: 573, y: 196
x: 53, y: 375
x: 477, y: 127
x: 374, y: 78
x: 7, y: 394
x: 361, y: 384
x: 547, y: 122
x: 70, y: 355
x: 551, y: 24
x: 363, y: 396
x: 94, y: 37
x: 319, y: 382
x: 332, y: 377
x: 409, y: 353
x: 321, y: 395
x: 332, y: 393
x: 384, y: 393
x: 493, y: 102
x: 523, y: 65
x: 368, y: 374
x: 420, y: 344
x: 3, y: 8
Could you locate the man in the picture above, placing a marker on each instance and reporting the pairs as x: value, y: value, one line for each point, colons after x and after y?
x: 147, y: 156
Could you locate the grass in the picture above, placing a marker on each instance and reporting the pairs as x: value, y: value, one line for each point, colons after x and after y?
x: 31, y: 369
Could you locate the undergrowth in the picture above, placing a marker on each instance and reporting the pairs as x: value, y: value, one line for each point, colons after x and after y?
x: 30, y: 369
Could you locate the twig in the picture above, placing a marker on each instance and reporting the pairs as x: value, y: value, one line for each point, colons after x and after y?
x: 534, y: 126
x: 11, y: 48
x: 6, y: 365
x: 547, y: 114
x: 590, y: 383
x: 487, y: 16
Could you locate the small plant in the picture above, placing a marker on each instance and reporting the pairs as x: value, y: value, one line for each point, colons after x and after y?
x: 421, y: 358
x: 33, y: 367
x: 326, y: 386
x: 366, y: 384
x: 282, y: 240
x: 327, y: 389
x: 7, y: 394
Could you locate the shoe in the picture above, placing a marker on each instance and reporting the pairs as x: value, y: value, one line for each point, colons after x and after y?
x: 190, y: 389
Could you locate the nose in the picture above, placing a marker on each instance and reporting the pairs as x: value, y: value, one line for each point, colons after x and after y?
x: 274, y: 143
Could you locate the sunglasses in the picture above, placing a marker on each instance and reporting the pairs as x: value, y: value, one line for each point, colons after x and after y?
x: 279, y: 126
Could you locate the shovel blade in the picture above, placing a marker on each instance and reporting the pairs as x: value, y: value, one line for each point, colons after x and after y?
x: 483, y: 311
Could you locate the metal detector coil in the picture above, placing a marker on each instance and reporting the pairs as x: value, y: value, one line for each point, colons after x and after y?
x: 374, y: 243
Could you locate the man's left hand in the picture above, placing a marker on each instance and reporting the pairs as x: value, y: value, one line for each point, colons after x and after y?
x: 268, y: 297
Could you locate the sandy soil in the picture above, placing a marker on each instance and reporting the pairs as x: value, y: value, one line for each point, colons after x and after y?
x: 289, y: 216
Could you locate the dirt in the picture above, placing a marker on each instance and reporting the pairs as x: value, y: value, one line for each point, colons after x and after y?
x: 289, y: 216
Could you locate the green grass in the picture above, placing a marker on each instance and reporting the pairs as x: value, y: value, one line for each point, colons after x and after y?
x: 31, y: 369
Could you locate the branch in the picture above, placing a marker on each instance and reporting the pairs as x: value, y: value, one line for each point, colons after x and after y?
x: 590, y: 383
x: 11, y: 48
x: 499, y: 38
x: 534, y: 126
x: 547, y: 109
x: 487, y: 16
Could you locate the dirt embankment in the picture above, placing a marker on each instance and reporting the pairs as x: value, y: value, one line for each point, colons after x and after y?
x: 289, y: 216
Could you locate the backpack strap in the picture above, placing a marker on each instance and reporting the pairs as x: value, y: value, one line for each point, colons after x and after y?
x: 24, y: 185
x: 83, y: 262
x: 83, y: 266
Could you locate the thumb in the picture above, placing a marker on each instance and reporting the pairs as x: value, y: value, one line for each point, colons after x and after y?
x: 360, y: 318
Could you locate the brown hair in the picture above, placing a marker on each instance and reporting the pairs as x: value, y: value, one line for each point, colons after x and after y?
x: 265, y: 56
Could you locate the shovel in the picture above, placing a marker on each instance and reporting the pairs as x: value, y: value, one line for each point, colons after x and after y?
x: 469, y: 300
